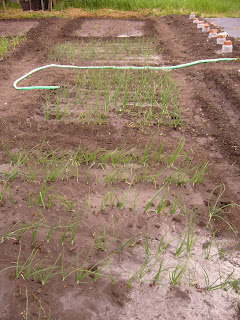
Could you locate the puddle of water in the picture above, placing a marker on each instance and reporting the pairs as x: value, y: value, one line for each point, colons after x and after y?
x: 133, y: 34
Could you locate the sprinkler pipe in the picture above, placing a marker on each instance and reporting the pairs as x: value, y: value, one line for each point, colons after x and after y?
x: 109, y: 67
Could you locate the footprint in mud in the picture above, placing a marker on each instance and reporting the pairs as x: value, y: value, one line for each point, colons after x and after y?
x: 178, y: 302
x: 177, y: 293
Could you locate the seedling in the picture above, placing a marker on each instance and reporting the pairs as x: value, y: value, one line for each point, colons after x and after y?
x: 84, y: 271
x: 160, y: 271
x: 130, y: 278
x: 150, y: 202
x: 3, y: 193
x: 121, y: 202
x: 19, y: 157
x: 112, y: 277
x: 163, y: 246
x: 64, y: 232
x: 216, y: 211
x: 11, y: 233
x: 27, y: 265
x: 45, y: 274
x: 36, y: 228
x: 67, y: 269
x: 188, y: 241
x: 148, y: 243
x: 20, y: 232
x: 102, y: 238
x: 65, y: 202
x: 9, y: 44
x: 175, y: 204
x: 26, y: 313
x: 199, y: 172
x: 176, y: 153
x: 178, y: 273
x: 73, y: 230
x: 127, y: 243
x: 191, y: 278
x: 163, y: 202
x: 147, y: 266
x: 225, y: 284
x: 49, y: 232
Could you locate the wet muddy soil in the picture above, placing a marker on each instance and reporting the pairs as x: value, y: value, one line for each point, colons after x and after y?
x: 138, y: 215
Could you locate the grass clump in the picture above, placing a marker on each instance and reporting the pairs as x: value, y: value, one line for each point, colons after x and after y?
x: 169, y: 6
x: 9, y: 44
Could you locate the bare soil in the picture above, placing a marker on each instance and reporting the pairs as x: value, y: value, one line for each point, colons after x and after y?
x: 16, y: 27
x: 124, y: 288
x: 112, y: 28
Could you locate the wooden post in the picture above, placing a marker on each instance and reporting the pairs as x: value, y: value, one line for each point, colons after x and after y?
x: 42, y: 5
x: 4, y: 5
x: 50, y: 6
x: 30, y: 5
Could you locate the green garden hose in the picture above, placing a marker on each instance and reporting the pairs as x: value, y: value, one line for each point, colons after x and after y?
x: 109, y: 67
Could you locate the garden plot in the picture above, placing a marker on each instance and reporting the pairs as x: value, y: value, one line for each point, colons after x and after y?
x: 89, y: 210
x: 16, y: 28
x: 111, y: 28
x: 137, y: 51
x: 136, y: 98
x: 111, y: 207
